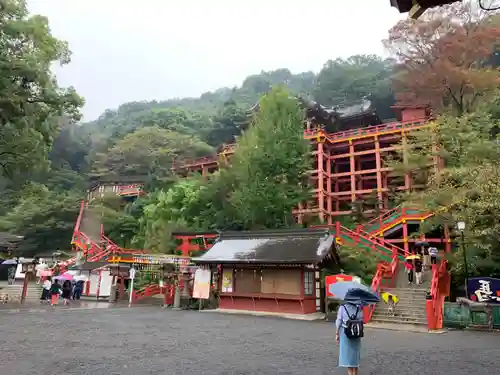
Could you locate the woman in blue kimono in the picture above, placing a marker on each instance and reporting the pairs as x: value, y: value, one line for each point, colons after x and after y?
x: 350, y: 349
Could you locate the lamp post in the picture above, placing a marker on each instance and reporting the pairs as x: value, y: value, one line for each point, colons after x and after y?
x: 131, y: 273
x: 461, y: 228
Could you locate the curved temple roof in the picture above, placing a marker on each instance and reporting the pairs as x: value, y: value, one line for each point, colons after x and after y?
x: 335, y: 118
x: 293, y: 246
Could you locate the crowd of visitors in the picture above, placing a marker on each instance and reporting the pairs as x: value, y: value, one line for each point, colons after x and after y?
x: 53, y: 291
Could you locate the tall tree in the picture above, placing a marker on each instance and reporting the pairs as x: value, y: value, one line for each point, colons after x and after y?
x: 30, y: 99
x: 228, y: 124
x: 148, y: 150
x: 270, y: 164
x: 441, y: 56
x: 46, y: 219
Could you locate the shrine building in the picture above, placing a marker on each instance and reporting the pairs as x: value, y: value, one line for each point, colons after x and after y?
x: 272, y: 271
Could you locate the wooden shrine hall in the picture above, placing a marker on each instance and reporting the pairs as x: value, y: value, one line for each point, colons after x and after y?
x: 272, y: 271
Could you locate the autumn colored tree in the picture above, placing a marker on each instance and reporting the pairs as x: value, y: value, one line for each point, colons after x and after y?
x: 443, y: 57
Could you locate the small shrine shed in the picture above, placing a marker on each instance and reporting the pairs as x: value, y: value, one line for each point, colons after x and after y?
x: 271, y: 271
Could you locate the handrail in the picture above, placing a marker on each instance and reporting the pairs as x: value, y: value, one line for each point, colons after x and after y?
x: 147, y: 291
x: 376, y: 128
x: 383, y: 242
x: 79, y: 218
x: 120, y: 250
x: 354, y: 234
x: 380, y: 219
x: 382, y: 268
x: 337, y: 136
x: 436, y: 298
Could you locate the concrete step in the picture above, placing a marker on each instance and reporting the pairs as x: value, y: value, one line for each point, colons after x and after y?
x: 385, y: 313
x: 401, y: 311
x: 400, y: 320
x: 411, y: 298
x: 404, y: 290
x: 402, y: 308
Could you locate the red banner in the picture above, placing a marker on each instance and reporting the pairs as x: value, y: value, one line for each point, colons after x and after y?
x: 332, y: 279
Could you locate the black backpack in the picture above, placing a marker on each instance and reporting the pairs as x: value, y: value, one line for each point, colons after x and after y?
x: 354, y: 327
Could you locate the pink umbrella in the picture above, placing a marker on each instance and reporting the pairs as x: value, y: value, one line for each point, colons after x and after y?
x: 65, y: 276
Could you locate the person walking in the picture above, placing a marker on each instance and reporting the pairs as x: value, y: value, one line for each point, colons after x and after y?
x: 418, y: 271
x: 55, y: 292
x: 349, y: 346
x: 425, y: 252
x: 78, y: 289
x: 409, y: 270
x: 66, y: 292
x: 433, y: 252
x: 46, y: 290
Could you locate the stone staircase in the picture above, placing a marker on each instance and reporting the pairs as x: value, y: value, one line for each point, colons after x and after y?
x: 411, y: 308
x: 13, y: 293
x: 33, y: 293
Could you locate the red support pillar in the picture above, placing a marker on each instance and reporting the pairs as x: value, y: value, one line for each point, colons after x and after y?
x: 99, y: 279
x: 87, y: 288
x: 404, y: 141
x: 321, y: 181
x: 406, y: 246
x: 352, y: 164
x: 337, y: 201
x: 378, y: 166
x: 329, y: 205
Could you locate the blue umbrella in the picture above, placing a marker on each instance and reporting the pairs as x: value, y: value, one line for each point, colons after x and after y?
x: 350, y: 291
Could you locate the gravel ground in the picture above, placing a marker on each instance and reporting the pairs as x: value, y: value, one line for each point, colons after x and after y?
x: 148, y: 340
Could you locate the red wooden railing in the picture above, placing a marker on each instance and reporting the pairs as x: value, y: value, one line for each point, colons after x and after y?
x: 435, y: 305
x: 382, y: 242
x: 381, y: 218
x: 332, y: 137
x: 148, y: 291
x: 79, y: 219
x: 384, y: 270
x: 375, y: 129
x: 391, y: 249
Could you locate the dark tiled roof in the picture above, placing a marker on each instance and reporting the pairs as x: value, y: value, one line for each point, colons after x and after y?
x: 7, y: 239
x: 302, y: 246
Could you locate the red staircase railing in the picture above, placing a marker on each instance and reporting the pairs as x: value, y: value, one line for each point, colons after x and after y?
x: 384, y: 271
x: 375, y: 242
x: 435, y: 305
x: 381, y: 218
x: 383, y: 242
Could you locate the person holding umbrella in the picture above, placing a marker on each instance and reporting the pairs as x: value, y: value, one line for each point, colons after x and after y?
x: 349, y: 324
x: 55, y: 292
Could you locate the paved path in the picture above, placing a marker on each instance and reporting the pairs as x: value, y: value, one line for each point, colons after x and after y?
x: 151, y: 341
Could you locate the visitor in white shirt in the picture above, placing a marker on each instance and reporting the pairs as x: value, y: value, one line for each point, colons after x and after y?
x: 46, y: 290
x: 433, y: 252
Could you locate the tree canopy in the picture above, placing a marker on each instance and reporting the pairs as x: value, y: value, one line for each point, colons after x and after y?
x: 445, y: 57
x: 30, y: 99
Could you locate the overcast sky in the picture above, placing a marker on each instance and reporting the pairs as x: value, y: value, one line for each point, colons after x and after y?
x: 127, y: 50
